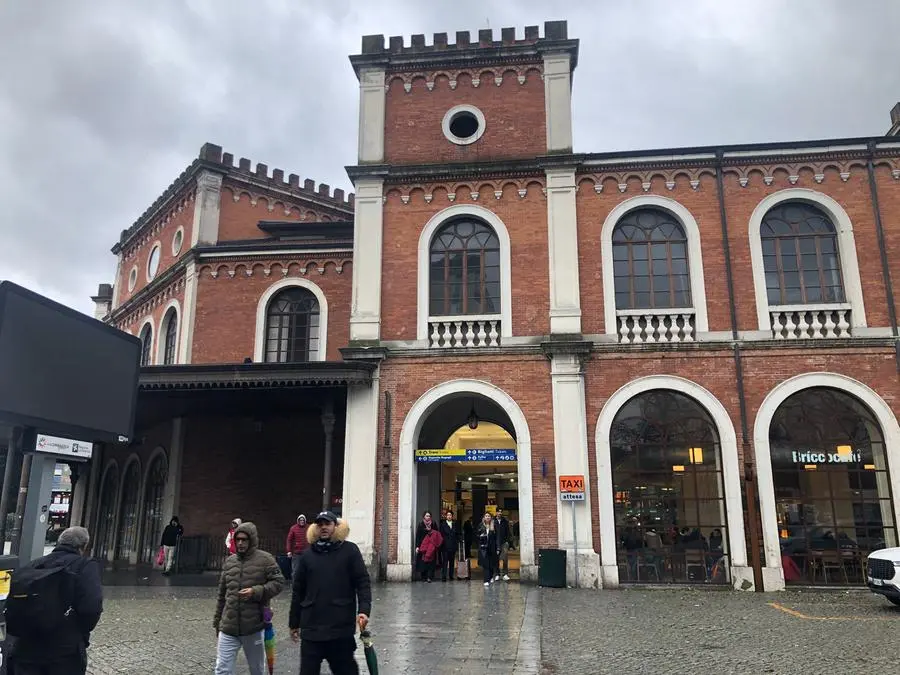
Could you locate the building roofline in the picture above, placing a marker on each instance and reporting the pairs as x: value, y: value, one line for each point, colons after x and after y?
x: 239, y: 376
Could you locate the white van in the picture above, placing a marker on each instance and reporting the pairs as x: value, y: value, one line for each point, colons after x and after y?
x: 883, y: 573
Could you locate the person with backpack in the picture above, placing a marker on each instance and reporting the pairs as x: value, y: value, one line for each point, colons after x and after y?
x: 54, y: 603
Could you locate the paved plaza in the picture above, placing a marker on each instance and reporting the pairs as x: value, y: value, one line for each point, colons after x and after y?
x: 463, y: 628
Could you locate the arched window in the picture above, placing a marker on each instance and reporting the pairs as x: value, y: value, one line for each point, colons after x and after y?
x: 650, y: 261
x: 128, y: 513
x: 106, y: 514
x: 464, y: 274
x: 146, y: 345
x: 170, y: 341
x: 153, y: 506
x: 292, y: 327
x: 800, y: 256
x: 668, y: 491
x: 832, y: 486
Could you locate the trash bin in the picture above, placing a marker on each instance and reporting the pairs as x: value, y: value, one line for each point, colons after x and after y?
x: 552, y: 568
x: 8, y: 563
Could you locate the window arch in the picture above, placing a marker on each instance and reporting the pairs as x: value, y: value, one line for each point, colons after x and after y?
x: 170, y: 338
x: 800, y: 255
x: 292, y: 327
x: 147, y: 344
x: 126, y: 542
x: 650, y: 261
x: 464, y: 269
x: 269, y: 332
x: 427, y: 236
x: 153, y: 506
x: 106, y: 514
x: 814, y: 224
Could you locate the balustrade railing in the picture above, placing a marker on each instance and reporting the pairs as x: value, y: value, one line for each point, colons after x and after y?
x: 810, y: 322
x: 463, y: 332
x: 655, y: 326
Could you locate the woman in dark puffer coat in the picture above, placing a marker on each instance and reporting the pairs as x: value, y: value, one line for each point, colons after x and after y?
x: 250, y: 579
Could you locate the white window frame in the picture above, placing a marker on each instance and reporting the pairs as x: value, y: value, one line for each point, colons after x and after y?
x: 132, y: 278
x: 427, y: 234
x: 157, y: 245
x: 163, y: 326
x: 455, y: 110
x: 177, y: 249
x: 694, y: 252
x: 153, y: 336
x: 259, y: 348
x: 846, y: 250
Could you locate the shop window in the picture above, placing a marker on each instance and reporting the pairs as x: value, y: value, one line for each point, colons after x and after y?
x: 800, y: 256
x: 832, y: 489
x: 128, y: 513
x: 668, y: 491
x: 106, y: 518
x: 153, y: 507
x: 650, y: 261
x: 292, y: 327
x: 170, y: 341
x: 464, y: 272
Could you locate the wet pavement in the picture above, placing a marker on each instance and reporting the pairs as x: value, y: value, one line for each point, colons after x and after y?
x: 461, y: 627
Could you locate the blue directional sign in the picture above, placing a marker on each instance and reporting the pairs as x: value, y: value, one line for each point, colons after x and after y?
x: 467, y: 455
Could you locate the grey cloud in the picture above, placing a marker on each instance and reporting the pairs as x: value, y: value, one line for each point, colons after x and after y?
x: 110, y: 100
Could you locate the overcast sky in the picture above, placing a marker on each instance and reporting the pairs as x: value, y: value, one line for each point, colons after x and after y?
x: 104, y: 102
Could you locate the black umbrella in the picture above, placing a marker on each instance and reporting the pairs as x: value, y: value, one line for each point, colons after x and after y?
x: 369, y: 650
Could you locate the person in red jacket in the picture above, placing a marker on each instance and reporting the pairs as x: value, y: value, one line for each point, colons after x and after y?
x: 296, y: 542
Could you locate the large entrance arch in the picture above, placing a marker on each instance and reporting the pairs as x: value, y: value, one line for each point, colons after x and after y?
x: 413, y: 426
x: 740, y: 575
x: 883, y: 447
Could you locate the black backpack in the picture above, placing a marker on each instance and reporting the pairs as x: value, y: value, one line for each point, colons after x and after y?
x: 41, y: 598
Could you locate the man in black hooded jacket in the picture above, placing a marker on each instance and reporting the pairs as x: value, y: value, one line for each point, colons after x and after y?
x: 332, y: 594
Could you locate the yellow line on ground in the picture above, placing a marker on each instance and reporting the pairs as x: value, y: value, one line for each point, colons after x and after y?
x: 800, y: 615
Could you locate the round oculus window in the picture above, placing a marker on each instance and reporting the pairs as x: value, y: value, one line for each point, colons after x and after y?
x: 177, y: 241
x: 153, y: 263
x: 463, y: 124
x: 132, y: 279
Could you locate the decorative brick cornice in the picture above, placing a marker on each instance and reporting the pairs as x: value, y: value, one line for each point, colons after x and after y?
x: 149, y: 298
x: 241, y: 267
x: 480, y: 191
x: 470, y: 76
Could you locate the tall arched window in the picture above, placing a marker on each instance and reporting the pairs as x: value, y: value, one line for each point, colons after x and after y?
x: 650, y: 261
x: 128, y: 513
x: 800, y: 256
x: 106, y: 514
x: 153, y: 506
x: 146, y: 345
x: 464, y: 274
x: 292, y: 327
x: 170, y: 341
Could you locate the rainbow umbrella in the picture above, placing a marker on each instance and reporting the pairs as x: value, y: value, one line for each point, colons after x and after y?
x: 269, y: 637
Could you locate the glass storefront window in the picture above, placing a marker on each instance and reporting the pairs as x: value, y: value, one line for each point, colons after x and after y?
x: 832, y: 490
x: 668, y: 491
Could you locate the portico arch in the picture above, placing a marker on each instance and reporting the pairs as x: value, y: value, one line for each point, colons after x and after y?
x: 409, y: 436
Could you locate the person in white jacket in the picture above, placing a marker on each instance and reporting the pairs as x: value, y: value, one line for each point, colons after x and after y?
x: 229, y: 538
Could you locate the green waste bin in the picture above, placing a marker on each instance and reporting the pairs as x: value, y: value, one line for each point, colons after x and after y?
x: 552, y: 568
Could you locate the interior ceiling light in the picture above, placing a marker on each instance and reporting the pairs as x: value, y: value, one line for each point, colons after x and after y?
x: 473, y: 417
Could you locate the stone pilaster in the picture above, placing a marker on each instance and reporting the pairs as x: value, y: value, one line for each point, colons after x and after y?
x: 207, y: 203
x: 365, y: 316
x: 562, y: 234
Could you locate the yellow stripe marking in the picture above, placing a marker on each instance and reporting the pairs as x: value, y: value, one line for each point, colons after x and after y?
x: 800, y: 615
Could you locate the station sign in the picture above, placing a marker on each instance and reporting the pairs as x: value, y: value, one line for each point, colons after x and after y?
x: 63, y: 447
x: 571, y: 488
x: 467, y: 455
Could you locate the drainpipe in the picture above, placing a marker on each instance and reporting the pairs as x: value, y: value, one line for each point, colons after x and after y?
x: 386, y: 467
x: 882, y: 250
x: 749, y: 468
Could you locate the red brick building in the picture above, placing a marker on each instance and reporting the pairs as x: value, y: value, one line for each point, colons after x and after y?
x: 708, y: 335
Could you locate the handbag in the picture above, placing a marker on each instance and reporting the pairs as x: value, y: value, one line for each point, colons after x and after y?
x: 161, y: 557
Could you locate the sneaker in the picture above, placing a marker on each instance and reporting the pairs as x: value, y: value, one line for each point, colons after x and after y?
x: 505, y: 577
x: 497, y: 578
x: 487, y: 583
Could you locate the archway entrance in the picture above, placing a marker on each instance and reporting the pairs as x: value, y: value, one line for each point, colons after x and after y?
x: 461, y: 447
x: 833, y: 499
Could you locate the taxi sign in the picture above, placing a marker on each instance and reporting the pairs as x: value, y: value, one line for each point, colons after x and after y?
x: 571, y: 484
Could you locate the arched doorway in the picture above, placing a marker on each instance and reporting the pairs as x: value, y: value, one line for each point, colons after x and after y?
x: 833, y: 500
x: 434, y: 423
x: 126, y: 542
x: 153, y: 507
x: 669, y: 496
x: 106, y: 514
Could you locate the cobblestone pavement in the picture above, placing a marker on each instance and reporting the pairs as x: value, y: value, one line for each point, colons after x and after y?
x: 462, y: 628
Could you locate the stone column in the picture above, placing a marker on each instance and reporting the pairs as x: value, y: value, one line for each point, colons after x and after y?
x: 93, y: 488
x: 328, y: 428
x: 562, y: 235
x: 365, y: 316
x: 172, y: 493
x: 186, y: 329
x: 558, y: 102
x: 571, y: 457
x: 205, y: 229
x: 371, y: 115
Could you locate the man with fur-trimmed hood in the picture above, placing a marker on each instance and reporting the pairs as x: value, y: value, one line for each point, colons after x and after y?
x: 250, y: 579
x: 332, y: 595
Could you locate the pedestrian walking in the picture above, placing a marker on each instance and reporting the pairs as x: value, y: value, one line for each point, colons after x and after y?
x: 487, y: 548
x: 504, y: 539
x: 250, y: 579
x: 54, y: 604
x: 296, y: 542
x: 428, y: 543
x: 230, y: 548
x: 451, y: 544
x: 170, y: 536
x: 332, y: 595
